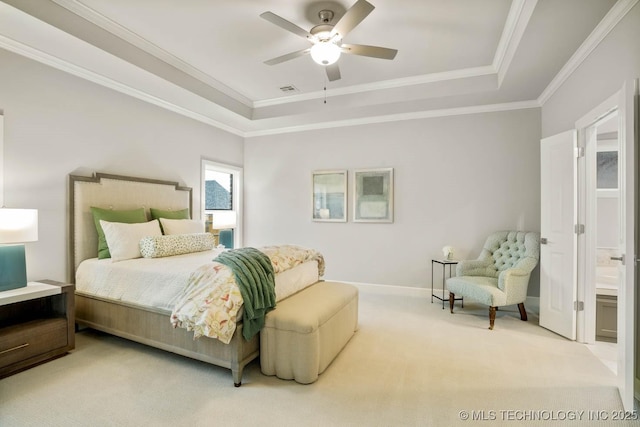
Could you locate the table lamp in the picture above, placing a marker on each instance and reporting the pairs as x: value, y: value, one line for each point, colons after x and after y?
x: 223, y: 220
x: 17, y: 226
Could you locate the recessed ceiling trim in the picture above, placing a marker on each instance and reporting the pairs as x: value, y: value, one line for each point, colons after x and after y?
x: 129, y: 36
x: 516, y: 23
x: 386, y: 84
x: 514, y: 28
x: 476, y: 109
x: 92, y: 76
x: 611, y: 19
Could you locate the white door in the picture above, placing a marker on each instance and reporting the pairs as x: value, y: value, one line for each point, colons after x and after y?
x: 558, y: 261
x: 626, y: 291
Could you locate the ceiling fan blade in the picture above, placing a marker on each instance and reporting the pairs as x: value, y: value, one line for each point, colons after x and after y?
x: 288, y: 56
x: 333, y: 72
x: 372, y: 51
x: 352, y: 18
x: 286, y: 25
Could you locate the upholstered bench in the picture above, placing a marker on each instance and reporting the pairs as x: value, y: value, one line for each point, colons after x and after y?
x: 307, y: 330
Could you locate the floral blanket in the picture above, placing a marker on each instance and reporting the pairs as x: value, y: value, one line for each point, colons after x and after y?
x: 211, y: 300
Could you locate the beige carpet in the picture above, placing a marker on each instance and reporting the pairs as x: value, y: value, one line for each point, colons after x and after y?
x: 410, y: 364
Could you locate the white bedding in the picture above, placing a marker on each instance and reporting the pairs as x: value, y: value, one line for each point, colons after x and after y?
x: 158, y: 282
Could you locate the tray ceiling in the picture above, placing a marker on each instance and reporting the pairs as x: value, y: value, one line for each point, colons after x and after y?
x: 205, y: 59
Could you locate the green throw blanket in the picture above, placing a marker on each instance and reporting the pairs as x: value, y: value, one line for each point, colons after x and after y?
x: 255, y: 279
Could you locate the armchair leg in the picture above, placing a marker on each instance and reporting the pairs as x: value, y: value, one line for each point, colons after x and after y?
x: 452, y: 300
x: 523, y: 312
x: 492, y: 317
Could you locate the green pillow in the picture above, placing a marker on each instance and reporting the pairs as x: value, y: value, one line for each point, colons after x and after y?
x: 161, y: 213
x: 129, y: 217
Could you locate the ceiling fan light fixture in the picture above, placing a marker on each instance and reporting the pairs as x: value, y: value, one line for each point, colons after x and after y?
x: 325, y: 52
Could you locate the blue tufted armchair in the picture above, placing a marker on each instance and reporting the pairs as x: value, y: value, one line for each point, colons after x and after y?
x: 500, y: 275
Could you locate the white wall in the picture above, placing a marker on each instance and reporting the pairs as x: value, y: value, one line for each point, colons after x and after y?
x: 615, y: 60
x: 456, y: 180
x: 56, y: 124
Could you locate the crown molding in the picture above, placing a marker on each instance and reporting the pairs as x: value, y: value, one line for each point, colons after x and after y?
x: 129, y: 36
x: 514, y: 28
x: 427, y: 114
x: 96, y: 18
x: 515, y: 25
x: 63, y: 65
x: 385, y: 84
x: 609, y: 22
x: 59, y: 63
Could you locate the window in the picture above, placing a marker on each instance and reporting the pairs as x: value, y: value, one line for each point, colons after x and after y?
x: 218, y: 190
x: 607, y: 169
x: 221, y: 200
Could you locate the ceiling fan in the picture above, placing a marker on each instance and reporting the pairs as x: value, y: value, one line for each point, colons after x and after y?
x: 326, y: 38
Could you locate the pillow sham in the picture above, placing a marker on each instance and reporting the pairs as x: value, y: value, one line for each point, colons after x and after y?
x: 175, y: 244
x: 124, y: 239
x: 125, y: 216
x: 164, y: 213
x: 181, y: 226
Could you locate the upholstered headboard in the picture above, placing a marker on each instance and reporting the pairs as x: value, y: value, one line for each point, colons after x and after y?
x: 118, y: 193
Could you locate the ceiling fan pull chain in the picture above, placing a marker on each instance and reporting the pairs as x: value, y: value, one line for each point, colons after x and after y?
x: 325, y: 89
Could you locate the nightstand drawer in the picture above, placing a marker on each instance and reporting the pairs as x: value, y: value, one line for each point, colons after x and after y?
x: 32, y: 339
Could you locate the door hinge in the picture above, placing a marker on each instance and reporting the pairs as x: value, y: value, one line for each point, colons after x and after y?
x: 579, y: 152
x: 579, y: 228
x: 578, y: 305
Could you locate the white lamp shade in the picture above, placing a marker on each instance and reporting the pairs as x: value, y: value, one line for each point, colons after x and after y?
x: 223, y: 220
x: 18, y: 225
x: 325, y: 52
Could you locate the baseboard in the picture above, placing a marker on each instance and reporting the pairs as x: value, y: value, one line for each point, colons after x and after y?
x: 532, y: 303
x: 389, y: 289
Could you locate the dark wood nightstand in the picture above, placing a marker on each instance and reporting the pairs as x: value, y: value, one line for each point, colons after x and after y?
x: 37, y: 324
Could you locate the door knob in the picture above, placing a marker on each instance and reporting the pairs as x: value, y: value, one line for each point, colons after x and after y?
x: 618, y: 258
x: 543, y: 241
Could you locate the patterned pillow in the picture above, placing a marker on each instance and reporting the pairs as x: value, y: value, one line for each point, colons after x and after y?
x: 175, y: 244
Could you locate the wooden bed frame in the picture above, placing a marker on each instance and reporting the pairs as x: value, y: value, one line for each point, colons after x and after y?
x: 141, y: 324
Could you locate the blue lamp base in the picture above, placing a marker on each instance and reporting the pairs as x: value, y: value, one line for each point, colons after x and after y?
x: 226, y: 238
x: 13, y: 267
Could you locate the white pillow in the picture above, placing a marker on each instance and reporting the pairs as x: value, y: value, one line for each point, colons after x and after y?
x: 182, y: 226
x: 123, y: 239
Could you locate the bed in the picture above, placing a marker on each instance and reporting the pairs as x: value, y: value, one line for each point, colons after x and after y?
x: 119, y: 298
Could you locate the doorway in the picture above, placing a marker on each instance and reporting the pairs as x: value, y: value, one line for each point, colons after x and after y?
x: 567, y: 290
x: 602, y: 237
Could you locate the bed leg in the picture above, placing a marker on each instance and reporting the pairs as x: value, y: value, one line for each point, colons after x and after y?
x: 237, y: 377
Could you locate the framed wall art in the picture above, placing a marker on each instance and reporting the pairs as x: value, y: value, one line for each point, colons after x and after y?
x: 373, y: 195
x: 329, y: 195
